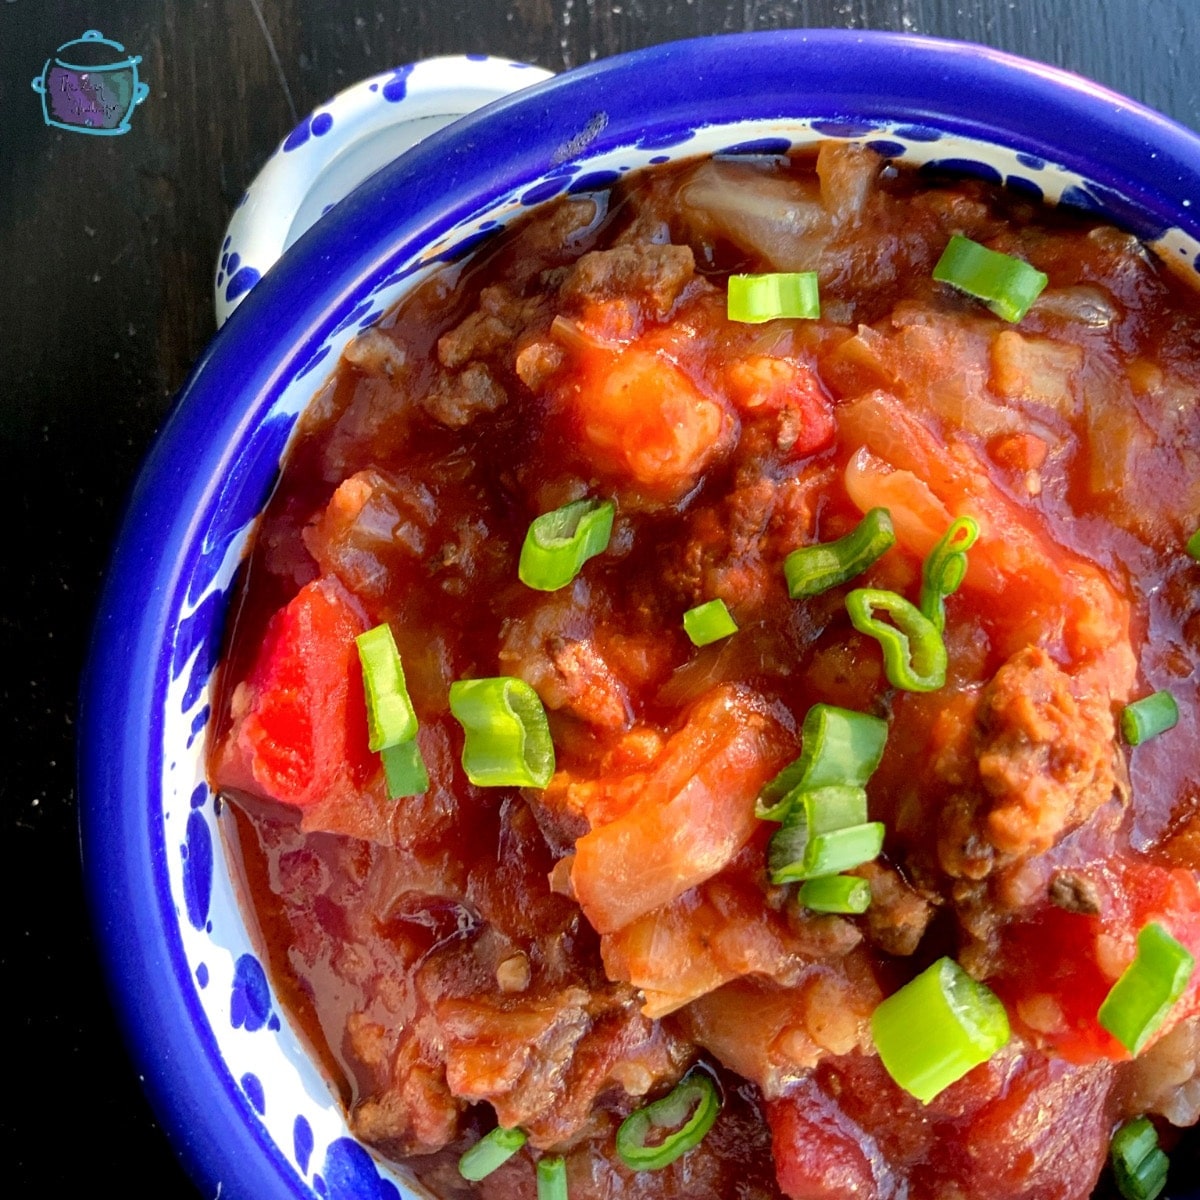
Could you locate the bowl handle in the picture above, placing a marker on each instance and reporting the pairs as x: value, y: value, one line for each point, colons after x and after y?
x: 342, y: 142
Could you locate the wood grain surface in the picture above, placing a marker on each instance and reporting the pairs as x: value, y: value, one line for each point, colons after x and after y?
x: 107, y: 247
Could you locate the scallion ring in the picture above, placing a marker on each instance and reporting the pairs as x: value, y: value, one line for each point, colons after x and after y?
x: 507, y: 735
x: 391, y: 721
x: 404, y: 770
x: 1148, y: 717
x: 753, y: 299
x: 1193, y: 545
x: 824, y: 831
x: 1139, y: 1166
x: 491, y: 1151
x: 687, y: 1114
x: 936, y: 1028
x: 839, y: 747
x: 836, y: 894
x: 1006, y: 284
x: 914, y: 654
x: 558, y: 543
x: 390, y: 716
x: 552, y: 1178
x: 812, y: 570
x: 1138, y: 1003
x: 795, y: 853
x: 709, y: 622
x: 946, y: 568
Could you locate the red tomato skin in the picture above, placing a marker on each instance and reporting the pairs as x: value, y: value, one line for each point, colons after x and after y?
x: 299, y: 730
x: 818, y: 1150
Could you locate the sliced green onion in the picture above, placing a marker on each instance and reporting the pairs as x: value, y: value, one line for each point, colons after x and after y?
x: 1139, y: 1166
x: 753, y: 299
x: 552, y: 1178
x: 390, y: 716
x: 689, y: 1111
x: 824, y: 831
x: 936, y: 1028
x: 820, y: 810
x: 709, y: 622
x: 558, y: 543
x: 815, y: 569
x: 1193, y: 545
x: 1148, y: 989
x: 914, y: 655
x: 507, y: 736
x: 946, y: 568
x: 822, y: 853
x: 1007, y: 285
x: 836, y: 894
x: 1148, y: 717
x: 491, y: 1151
x: 404, y: 770
x: 838, y: 747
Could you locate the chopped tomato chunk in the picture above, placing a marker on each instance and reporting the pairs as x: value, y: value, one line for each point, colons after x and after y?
x: 299, y: 727
x: 819, y: 1152
x: 790, y: 393
x: 1060, y: 965
x: 643, y: 418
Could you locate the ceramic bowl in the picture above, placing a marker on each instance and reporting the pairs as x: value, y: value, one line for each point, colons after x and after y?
x: 246, y: 1108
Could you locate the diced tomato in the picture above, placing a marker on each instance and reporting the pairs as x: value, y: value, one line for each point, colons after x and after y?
x: 1059, y: 965
x: 788, y: 392
x: 695, y: 811
x: 299, y: 729
x: 819, y: 1152
x: 643, y: 418
x: 1020, y: 1127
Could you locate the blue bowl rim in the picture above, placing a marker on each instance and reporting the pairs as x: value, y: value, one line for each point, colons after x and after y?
x: 815, y: 73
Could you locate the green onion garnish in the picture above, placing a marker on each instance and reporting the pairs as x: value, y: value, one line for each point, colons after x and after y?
x: 404, y: 769
x: 390, y: 716
x: 824, y: 831
x: 936, y: 1028
x: 708, y: 622
x: 753, y: 299
x: 552, y: 1178
x: 838, y: 747
x: 836, y: 894
x: 815, y: 569
x: 558, y: 543
x: 1139, y: 1166
x: 946, y: 568
x: 1149, y: 987
x: 1007, y: 285
x: 796, y: 854
x: 689, y: 1111
x: 914, y: 655
x: 491, y: 1151
x: 1148, y: 717
x: 391, y: 721
x: 507, y: 736
x: 1193, y: 545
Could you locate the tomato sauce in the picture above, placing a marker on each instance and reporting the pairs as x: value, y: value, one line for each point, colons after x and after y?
x: 554, y: 959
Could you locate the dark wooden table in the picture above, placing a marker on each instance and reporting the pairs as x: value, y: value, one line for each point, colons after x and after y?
x: 107, y: 246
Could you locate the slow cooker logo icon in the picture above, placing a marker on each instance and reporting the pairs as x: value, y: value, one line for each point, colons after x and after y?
x: 90, y: 85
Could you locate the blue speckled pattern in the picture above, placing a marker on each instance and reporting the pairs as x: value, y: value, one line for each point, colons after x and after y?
x: 231, y: 1082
